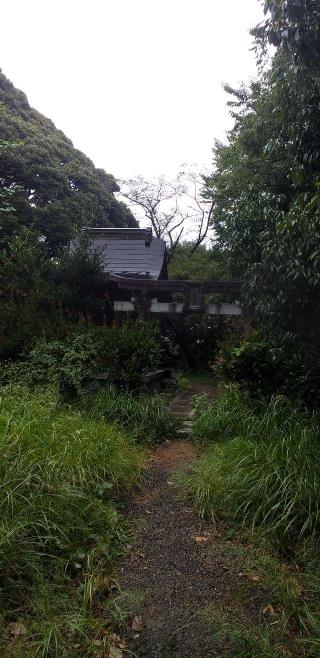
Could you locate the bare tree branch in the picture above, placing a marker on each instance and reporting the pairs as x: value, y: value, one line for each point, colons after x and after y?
x: 202, y: 234
x: 172, y: 207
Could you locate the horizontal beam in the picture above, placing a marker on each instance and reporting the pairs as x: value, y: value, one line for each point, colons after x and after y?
x: 179, y: 308
x: 121, y: 234
x: 224, y: 309
x: 175, y: 285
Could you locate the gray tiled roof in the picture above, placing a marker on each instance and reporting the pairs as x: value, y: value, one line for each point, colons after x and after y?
x: 132, y: 257
x: 127, y: 253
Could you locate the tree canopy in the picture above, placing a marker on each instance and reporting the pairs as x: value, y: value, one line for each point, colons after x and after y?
x: 44, y: 181
x: 204, y: 263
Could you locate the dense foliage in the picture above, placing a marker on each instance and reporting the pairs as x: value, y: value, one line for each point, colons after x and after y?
x: 44, y: 181
x: 266, y: 186
x: 24, y: 289
x: 192, y: 342
x: 205, y: 263
x: 293, y: 26
x: 41, y: 297
x: 263, y: 367
x: 121, y: 353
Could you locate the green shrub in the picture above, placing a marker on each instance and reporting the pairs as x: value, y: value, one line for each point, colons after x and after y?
x: 64, y: 365
x: 126, y: 351
x: 60, y: 475
x: 145, y: 417
x: 267, y: 474
x: 265, y: 366
x: 252, y: 363
x: 193, y: 341
x: 122, y: 352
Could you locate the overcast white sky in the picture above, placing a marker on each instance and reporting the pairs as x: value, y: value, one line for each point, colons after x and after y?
x: 136, y: 84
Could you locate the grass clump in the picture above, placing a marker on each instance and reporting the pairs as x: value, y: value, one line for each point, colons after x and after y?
x: 60, y: 531
x: 241, y: 639
x: 144, y: 416
x: 266, y: 473
x: 293, y: 586
x: 226, y: 417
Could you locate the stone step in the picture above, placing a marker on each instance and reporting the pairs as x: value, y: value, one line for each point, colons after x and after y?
x: 177, y: 414
x: 183, y: 414
x: 186, y: 427
x: 178, y: 405
x: 185, y: 431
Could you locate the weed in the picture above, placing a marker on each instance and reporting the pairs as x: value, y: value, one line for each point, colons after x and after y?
x: 244, y: 640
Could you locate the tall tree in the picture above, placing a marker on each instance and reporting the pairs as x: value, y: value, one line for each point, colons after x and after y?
x: 266, y: 181
x: 53, y: 187
x: 293, y: 26
x: 205, y: 263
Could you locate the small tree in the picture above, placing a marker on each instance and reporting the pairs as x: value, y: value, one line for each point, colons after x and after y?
x: 24, y: 287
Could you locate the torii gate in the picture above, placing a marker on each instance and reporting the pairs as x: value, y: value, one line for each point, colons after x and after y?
x: 134, y: 261
x: 144, y: 293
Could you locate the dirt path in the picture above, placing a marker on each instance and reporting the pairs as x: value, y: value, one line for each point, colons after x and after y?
x: 178, y: 568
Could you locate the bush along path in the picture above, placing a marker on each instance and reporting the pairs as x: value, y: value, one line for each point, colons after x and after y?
x: 186, y: 588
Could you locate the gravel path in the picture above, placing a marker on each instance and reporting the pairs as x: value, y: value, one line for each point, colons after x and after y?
x: 167, y: 566
x: 177, y: 568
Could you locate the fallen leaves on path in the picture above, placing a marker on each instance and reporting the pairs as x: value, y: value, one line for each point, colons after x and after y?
x: 117, y: 641
x: 254, y: 577
x: 251, y: 576
x: 200, y: 539
x: 115, y: 652
x: 16, y: 629
x: 137, y: 623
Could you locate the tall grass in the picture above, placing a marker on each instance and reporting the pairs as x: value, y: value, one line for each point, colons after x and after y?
x: 225, y: 418
x: 145, y: 417
x: 60, y: 474
x: 235, y: 414
x: 266, y: 472
x: 261, y: 469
